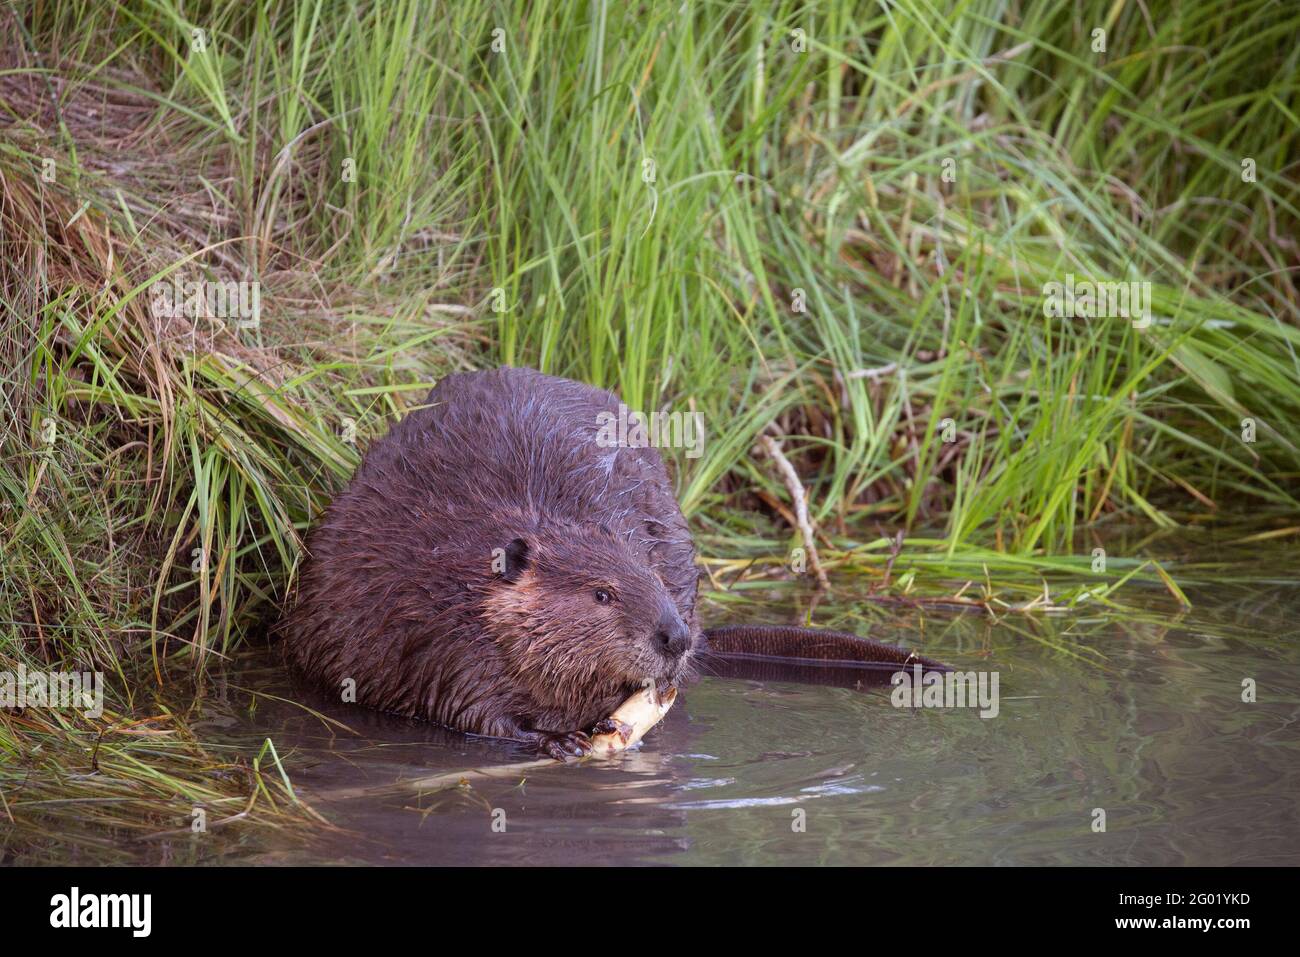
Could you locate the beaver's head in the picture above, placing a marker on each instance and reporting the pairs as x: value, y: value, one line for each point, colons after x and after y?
x: 579, y: 615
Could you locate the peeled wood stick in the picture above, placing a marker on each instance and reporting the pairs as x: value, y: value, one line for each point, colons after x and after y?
x: 630, y: 720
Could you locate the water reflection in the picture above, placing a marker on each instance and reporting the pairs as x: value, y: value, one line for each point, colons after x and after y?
x: 1143, y: 719
x: 1140, y: 717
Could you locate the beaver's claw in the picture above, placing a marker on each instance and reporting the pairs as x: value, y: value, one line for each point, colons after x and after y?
x: 606, y: 726
x: 562, y: 744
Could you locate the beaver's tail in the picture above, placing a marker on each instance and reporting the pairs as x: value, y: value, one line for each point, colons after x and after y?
x: 805, y: 655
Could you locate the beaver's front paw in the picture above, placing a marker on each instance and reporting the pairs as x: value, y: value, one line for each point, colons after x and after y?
x: 561, y: 744
x: 607, y: 726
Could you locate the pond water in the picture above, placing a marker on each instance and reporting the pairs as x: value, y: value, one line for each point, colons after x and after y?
x: 1140, y: 717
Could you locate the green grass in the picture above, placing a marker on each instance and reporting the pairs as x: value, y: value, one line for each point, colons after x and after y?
x: 635, y: 196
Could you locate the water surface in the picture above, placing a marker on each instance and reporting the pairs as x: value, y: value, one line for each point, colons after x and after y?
x: 1142, y: 718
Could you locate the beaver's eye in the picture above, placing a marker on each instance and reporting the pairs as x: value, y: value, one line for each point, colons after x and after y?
x: 603, y: 597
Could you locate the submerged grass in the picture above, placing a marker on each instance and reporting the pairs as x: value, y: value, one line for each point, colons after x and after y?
x: 831, y: 222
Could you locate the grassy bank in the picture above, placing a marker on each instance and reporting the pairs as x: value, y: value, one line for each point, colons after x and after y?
x: 830, y: 222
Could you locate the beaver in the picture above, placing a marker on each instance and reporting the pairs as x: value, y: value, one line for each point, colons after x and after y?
x: 494, y: 567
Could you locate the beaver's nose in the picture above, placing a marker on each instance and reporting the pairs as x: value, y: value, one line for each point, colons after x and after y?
x: 672, y: 634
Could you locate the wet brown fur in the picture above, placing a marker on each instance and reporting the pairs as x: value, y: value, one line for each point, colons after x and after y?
x: 410, y: 590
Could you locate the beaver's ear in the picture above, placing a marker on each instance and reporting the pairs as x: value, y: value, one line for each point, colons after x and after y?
x: 516, y: 560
